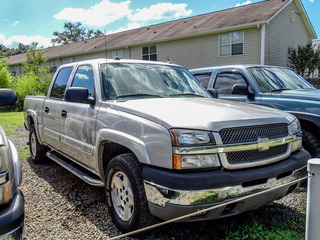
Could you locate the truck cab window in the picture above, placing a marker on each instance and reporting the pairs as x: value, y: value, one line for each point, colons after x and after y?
x: 60, y: 83
x: 225, y: 81
x: 203, y: 78
x: 84, y: 78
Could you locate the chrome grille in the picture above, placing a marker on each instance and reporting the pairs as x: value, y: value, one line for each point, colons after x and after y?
x: 252, y: 133
x: 255, y: 155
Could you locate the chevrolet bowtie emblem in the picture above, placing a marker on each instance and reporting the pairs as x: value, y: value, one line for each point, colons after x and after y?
x: 263, y: 144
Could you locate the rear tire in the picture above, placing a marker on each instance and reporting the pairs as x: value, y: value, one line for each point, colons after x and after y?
x: 37, y: 151
x: 311, y: 143
x: 126, y: 198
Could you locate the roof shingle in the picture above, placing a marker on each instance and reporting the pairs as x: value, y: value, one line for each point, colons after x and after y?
x: 244, y: 15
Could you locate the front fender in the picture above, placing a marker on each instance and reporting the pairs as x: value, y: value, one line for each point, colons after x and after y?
x: 309, y: 117
x: 31, y: 114
x: 131, y: 142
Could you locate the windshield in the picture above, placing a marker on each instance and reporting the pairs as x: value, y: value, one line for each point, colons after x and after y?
x: 278, y: 79
x: 135, y: 80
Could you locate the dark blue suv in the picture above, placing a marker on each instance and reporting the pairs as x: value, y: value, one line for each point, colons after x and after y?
x: 270, y: 86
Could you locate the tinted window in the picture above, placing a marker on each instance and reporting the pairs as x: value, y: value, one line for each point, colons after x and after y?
x: 60, y: 83
x: 84, y: 78
x: 225, y: 82
x: 277, y: 79
x: 203, y: 78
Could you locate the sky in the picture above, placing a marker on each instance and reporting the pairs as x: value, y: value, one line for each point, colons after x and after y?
x: 27, y: 21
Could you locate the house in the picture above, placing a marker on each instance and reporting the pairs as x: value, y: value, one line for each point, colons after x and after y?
x: 258, y: 33
x: 316, y: 74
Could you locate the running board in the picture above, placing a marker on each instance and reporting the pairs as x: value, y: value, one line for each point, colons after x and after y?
x: 82, y: 175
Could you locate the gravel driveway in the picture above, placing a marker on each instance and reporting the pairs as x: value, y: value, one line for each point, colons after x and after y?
x: 61, y: 206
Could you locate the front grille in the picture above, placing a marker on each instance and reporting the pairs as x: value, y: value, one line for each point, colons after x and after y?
x: 252, y: 133
x: 255, y: 155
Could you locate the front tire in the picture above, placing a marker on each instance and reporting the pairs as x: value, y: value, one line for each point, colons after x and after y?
x: 37, y: 151
x: 311, y: 143
x: 126, y: 198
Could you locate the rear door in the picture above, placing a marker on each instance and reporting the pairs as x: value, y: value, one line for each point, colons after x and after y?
x: 52, y: 109
x: 79, y: 120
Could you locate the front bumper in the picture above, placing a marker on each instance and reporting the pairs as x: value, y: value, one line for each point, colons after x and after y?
x: 172, y: 194
x: 12, y: 218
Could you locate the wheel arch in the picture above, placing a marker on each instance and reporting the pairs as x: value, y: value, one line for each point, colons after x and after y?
x: 111, y: 143
x: 32, y: 119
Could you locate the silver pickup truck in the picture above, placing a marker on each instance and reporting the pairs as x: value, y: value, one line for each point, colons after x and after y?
x: 160, y: 144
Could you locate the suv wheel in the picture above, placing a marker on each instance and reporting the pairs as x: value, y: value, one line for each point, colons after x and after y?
x: 310, y: 142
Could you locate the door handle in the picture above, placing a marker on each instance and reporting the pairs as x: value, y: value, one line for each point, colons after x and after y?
x: 64, y: 113
x: 46, y: 110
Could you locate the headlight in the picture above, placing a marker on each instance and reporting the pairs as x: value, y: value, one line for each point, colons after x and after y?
x: 184, y: 137
x: 295, y: 126
x: 193, y: 138
x: 296, y: 130
x: 196, y: 161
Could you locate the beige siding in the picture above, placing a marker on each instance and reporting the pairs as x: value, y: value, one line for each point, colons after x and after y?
x: 204, y: 51
x: 282, y: 33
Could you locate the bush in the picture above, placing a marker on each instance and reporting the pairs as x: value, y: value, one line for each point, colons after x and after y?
x: 31, y: 84
x: 5, y: 77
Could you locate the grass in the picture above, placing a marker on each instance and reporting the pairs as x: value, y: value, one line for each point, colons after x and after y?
x: 9, y: 121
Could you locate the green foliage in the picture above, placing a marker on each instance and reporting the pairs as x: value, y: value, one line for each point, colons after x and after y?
x: 304, y: 60
x: 5, y: 52
x: 30, y: 84
x: 5, y: 77
x: 36, y: 77
x: 75, y: 33
x: 256, y: 231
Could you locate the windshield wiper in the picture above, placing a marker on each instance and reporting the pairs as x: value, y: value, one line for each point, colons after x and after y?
x: 186, y: 94
x: 138, y: 95
x: 280, y: 89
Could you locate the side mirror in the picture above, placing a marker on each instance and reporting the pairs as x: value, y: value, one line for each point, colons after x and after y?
x: 7, y: 97
x: 241, y: 89
x: 79, y: 95
x: 213, y: 93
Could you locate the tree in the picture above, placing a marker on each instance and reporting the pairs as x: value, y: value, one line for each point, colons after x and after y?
x: 304, y: 60
x: 5, y: 52
x: 75, y: 33
x: 5, y: 77
x: 36, y: 78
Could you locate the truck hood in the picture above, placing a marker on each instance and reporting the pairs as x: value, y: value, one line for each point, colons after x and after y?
x: 305, y: 94
x: 201, y: 113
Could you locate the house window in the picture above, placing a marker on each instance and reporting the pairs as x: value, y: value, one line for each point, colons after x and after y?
x: 116, y: 53
x: 231, y: 43
x: 72, y: 59
x: 149, y: 53
x: 13, y: 71
x: 53, y: 66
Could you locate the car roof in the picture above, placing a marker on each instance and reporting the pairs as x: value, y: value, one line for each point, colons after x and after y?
x: 239, y: 66
x: 116, y: 60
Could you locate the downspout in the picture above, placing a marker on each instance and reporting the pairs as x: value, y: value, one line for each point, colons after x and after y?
x: 263, y: 43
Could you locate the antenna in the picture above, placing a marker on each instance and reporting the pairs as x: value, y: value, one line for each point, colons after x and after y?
x: 106, y: 67
x: 105, y: 43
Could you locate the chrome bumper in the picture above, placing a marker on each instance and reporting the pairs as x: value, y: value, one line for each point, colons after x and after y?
x: 168, y: 203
